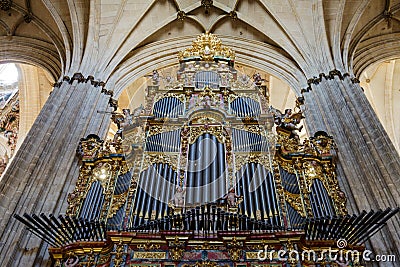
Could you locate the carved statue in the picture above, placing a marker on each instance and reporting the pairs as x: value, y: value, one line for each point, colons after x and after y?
x: 288, y: 120
x: 118, y: 119
x: 179, y: 197
x: 257, y: 78
x: 136, y: 112
x: 155, y: 77
x: 125, y: 119
x: 231, y: 198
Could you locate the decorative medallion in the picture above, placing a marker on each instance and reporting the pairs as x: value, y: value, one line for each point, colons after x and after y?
x: 207, y: 4
x: 207, y: 47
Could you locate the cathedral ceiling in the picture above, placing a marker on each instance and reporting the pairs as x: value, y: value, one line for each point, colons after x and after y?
x: 105, y: 38
x: 120, y: 41
x: 381, y: 85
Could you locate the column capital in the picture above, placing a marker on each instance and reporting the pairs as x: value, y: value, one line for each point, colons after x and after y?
x: 80, y: 78
x: 330, y: 76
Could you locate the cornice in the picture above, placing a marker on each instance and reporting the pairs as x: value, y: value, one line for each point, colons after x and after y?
x: 330, y: 76
x: 81, y: 79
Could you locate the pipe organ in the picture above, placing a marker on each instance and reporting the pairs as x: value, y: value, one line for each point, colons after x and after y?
x: 201, y: 176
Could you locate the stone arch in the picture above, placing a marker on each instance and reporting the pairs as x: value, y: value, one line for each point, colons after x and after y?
x: 164, y: 53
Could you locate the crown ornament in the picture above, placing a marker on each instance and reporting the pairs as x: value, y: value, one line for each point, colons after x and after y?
x: 207, y: 47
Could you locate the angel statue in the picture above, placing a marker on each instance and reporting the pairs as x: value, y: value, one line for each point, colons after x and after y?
x: 136, y: 112
x: 231, y: 198
x: 288, y: 120
x: 155, y: 77
x: 179, y: 197
x: 125, y: 119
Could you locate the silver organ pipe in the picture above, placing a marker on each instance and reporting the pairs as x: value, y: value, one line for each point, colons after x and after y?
x: 156, y: 188
x: 244, y: 141
x: 247, y: 196
x: 206, y: 170
x: 148, y: 177
x: 198, y: 170
x: 92, y: 209
x: 214, y: 171
x: 151, y: 191
x: 137, y: 199
x: 168, y: 107
x: 221, y: 167
x: 314, y: 205
x: 295, y: 219
x: 245, y: 107
x: 156, y: 192
x: 272, y: 195
x: 163, y: 190
x: 164, y: 142
x: 255, y: 182
x: 261, y: 196
x: 93, y: 203
x: 269, y: 207
x: 146, y: 189
x: 321, y: 199
x: 324, y: 207
x: 290, y: 182
x: 206, y: 78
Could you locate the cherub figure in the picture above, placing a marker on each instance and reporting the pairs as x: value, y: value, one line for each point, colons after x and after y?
x: 155, y: 77
x: 119, y: 120
x: 288, y: 120
x: 179, y: 197
x: 125, y: 119
x: 257, y: 78
x: 231, y: 197
x: 136, y: 112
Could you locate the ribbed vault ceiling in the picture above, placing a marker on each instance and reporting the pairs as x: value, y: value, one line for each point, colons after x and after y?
x: 119, y: 41
x: 381, y: 83
x: 98, y: 36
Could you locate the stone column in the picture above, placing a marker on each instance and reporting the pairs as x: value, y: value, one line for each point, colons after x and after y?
x: 45, y: 168
x: 34, y: 88
x: 368, y: 164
